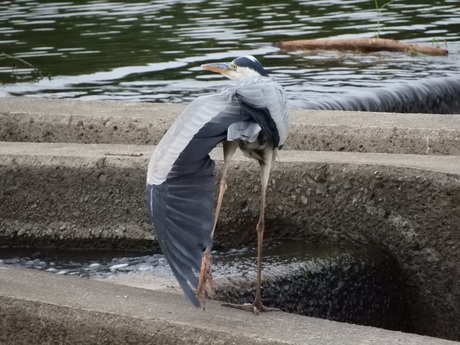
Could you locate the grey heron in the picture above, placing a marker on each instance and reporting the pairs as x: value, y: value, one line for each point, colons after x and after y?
x: 251, y: 114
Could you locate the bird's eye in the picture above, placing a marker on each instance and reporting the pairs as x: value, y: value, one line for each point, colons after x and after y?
x: 233, y: 66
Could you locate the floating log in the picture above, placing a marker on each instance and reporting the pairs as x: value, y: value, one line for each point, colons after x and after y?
x: 361, y: 44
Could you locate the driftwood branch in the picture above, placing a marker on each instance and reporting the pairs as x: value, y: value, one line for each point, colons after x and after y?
x: 361, y: 44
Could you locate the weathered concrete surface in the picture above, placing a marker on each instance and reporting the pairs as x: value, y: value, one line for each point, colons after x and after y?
x: 66, y: 310
x: 77, y: 195
x: 78, y: 192
x: 92, y: 195
x: 41, y: 120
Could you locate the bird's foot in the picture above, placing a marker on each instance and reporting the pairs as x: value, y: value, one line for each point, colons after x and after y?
x: 256, y: 307
x: 205, y: 285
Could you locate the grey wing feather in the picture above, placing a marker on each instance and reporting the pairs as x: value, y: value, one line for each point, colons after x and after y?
x: 180, y: 185
x: 179, y: 135
x: 178, y: 220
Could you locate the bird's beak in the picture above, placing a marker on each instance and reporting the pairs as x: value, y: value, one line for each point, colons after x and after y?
x: 222, y: 68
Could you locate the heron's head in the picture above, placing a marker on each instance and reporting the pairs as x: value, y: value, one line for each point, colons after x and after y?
x: 241, y: 68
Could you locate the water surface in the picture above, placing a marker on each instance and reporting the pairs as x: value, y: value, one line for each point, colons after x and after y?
x: 152, y: 50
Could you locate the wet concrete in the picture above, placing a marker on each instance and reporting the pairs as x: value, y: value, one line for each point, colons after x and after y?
x: 360, y: 285
x: 78, y: 195
x: 431, y: 96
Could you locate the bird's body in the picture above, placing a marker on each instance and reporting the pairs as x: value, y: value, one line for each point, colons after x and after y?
x: 252, y: 114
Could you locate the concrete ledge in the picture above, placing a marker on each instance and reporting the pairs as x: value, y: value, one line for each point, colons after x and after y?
x: 41, y: 120
x: 79, y: 192
x: 70, y: 310
x: 80, y: 195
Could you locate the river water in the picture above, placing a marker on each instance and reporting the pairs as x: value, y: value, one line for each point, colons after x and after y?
x: 103, y: 264
x: 152, y: 50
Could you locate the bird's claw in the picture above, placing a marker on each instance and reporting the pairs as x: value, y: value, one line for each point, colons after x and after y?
x: 255, y: 307
x: 205, y: 285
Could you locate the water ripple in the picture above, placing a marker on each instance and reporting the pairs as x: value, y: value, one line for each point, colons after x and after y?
x: 152, y: 50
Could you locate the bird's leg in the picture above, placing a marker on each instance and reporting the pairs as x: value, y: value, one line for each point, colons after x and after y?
x: 260, y: 228
x: 257, y: 306
x: 205, y: 284
x: 229, y: 150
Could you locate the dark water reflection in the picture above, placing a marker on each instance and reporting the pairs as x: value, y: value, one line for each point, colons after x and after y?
x: 152, y: 50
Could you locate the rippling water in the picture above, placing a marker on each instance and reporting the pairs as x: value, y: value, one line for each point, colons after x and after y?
x: 152, y: 50
x: 105, y: 264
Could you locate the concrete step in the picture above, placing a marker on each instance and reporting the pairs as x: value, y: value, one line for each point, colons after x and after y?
x: 78, y: 195
x: 69, y: 310
x: 42, y: 120
x: 86, y: 191
x: 388, y: 180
